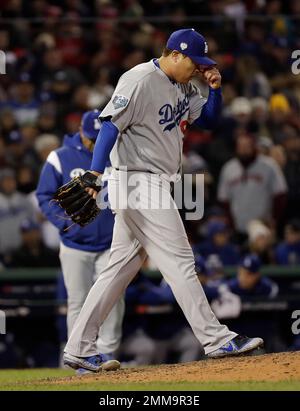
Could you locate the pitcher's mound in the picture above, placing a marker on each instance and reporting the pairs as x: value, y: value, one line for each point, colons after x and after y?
x: 267, y: 367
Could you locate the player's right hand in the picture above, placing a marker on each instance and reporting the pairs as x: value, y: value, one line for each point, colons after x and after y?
x: 212, y: 77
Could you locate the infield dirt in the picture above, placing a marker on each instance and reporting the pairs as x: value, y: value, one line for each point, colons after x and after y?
x: 268, y: 367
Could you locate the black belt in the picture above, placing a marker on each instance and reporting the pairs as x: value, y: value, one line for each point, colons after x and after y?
x: 138, y: 171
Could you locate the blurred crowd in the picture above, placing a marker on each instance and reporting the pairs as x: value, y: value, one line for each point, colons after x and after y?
x: 65, y: 57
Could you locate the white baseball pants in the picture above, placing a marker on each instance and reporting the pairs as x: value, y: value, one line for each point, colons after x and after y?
x: 80, y: 270
x: 159, y: 233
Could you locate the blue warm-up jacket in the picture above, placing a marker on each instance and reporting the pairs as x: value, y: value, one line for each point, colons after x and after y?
x: 62, y: 164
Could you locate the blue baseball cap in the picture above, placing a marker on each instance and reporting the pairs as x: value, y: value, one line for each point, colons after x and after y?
x: 251, y: 262
x: 214, y: 264
x: 24, y: 77
x: 192, y: 44
x: 216, y: 227
x: 14, y: 137
x: 90, y: 124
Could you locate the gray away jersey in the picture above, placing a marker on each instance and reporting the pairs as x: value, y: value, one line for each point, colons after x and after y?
x: 151, y: 113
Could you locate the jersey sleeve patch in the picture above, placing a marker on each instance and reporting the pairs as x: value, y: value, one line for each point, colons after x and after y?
x: 120, y: 101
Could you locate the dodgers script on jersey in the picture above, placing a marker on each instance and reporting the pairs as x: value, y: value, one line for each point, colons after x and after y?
x: 151, y: 112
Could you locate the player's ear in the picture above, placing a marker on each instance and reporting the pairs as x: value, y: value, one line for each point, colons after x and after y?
x: 176, y: 55
x: 81, y: 132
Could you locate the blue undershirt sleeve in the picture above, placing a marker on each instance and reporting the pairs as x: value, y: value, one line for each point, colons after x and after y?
x: 105, y: 141
x: 211, y: 110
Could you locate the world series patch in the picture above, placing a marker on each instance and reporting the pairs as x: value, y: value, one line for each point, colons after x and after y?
x: 119, y: 101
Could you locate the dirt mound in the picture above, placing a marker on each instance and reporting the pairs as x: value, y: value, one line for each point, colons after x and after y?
x: 268, y: 367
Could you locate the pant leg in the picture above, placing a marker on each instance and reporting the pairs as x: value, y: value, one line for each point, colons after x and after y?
x: 110, y: 332
x: 126, y: 258
x: 78, y: 272
x: 162, y: 235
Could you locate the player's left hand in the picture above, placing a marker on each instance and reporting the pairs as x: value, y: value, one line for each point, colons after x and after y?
x: 212, y: 77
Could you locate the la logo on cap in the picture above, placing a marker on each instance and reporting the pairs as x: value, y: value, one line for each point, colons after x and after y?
x: 205, y: 47
x: 183, y: 46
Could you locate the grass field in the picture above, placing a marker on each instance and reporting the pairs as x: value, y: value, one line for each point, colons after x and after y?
x: 38, y: 380
x: 268, y: 372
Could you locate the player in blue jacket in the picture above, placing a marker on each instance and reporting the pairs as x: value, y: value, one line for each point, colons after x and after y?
x: 249, y: 282
x: 288, y: 251
x: 84, y: 252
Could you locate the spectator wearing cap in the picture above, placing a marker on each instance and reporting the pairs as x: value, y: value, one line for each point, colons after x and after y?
x: 288, y: 251
x: 62, y: 85
x: 14, y: 208
x: 252, y: 187
x: 206, y: 277
x: 260, y: 241
x: 45, y: 144
x: 218, y: 243
x: 32, y: 253
x: 84, y: 252
x: 249, y: 281
x: 241, y: 114
x: 15, y: 148
x: 237, y: 116
x: 241, y: 110
x: 24, y: 104
x: 250, y: 286
x: 215, y: 267
x: 18, y: 144
x: 280, y: 115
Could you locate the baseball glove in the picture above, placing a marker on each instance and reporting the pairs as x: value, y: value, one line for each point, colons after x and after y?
x: 74, y: 199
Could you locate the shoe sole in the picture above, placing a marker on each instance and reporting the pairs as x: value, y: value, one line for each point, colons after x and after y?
x: 75, y: 363
x: 242, y: 351
x: 111, y: 365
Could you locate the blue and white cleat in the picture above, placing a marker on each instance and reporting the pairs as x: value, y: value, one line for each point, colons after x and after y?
x: 105, y: 357
x: 237, y: 346
x: 94, y: 363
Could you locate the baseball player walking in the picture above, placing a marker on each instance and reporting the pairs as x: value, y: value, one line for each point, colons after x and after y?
x: 84, y: 252
x: 143, y: 129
